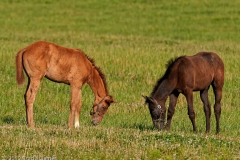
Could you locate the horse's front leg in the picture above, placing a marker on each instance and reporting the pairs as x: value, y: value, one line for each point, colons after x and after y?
x: 171, y: 109
x: 75, y: 106
x: 189, y: 96
x: 33, y: 85
x: 162, y: 119
x: 78, y: 109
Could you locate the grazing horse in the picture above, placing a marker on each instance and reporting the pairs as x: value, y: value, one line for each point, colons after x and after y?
x: 184, y: 75
x: 64, y: 65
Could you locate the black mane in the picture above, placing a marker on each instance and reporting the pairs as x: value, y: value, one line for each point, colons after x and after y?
x: 169, y: 66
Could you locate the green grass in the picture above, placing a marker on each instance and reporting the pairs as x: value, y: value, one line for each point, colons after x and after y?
x: 131, y: 41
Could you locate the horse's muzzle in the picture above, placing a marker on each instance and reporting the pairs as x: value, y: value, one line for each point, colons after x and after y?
x: 95, y: 122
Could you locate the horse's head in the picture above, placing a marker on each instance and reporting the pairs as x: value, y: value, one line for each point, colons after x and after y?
x: 100, y: 108
x: 155, y: 111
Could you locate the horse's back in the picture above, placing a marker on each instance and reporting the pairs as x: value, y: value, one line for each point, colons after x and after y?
x: 206, y: 62
x: 46, y: 50
x: 200, y: 70
x: 55, y: 62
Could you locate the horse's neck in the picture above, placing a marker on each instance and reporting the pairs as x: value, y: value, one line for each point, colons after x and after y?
x: 164, y: 89
x: 97, y: 85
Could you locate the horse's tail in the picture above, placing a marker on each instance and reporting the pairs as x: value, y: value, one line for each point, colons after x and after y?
x: 19, y: 67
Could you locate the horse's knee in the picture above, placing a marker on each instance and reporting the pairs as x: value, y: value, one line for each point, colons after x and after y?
x: 191, y: 115
x: 28, y: 96
x: 169, y: 117
x: 207, y: 111
x: 217, y: 108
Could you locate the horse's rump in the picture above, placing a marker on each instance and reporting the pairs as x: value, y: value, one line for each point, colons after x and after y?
x: 200, y: 70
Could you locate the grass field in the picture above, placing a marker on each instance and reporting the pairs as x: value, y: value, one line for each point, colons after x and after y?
x: 131, y: 41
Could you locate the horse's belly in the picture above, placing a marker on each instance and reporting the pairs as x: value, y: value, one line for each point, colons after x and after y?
x: 57, y: 76
x: 202, y: 82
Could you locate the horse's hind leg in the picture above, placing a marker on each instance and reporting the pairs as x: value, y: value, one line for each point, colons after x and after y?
x: 207, y: 108
x: 189, y: 96
x: 33, y: 85
x: 217, y: 106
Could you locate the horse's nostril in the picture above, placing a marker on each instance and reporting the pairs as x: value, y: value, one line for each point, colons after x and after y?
x: 94, y: 122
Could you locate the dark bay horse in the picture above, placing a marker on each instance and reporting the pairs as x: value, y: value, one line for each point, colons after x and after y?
x: 64, y: 65
x: 184, y: 75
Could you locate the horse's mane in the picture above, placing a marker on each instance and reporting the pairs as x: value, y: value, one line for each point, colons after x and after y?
x: 102, y: 75
x: 169, y: 66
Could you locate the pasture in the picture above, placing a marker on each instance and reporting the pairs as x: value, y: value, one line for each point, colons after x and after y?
x: 131, y: 41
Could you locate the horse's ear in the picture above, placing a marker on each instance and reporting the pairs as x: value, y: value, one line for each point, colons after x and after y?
x: 109, y: 100
x: 147, y: 99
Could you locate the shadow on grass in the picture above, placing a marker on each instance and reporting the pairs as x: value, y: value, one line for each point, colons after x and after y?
x: 141, y: 127
x: 8, y: 120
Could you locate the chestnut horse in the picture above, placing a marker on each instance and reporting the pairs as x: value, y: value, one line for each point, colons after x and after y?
x: 185, y: 75
x: 64, y: 65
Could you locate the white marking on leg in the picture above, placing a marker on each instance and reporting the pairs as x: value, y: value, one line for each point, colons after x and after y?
x: 76, y: 125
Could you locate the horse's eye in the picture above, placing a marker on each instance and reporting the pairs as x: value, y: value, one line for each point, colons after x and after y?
x: 104, y: 107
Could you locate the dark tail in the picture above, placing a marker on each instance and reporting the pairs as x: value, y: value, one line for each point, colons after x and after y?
x: 19, y: 67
